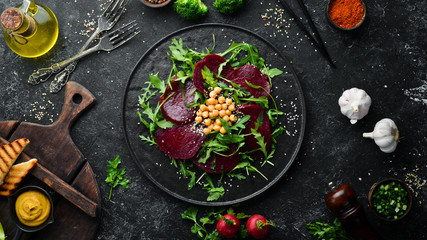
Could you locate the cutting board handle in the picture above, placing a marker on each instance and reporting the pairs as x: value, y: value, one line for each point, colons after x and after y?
x: 77, y: 98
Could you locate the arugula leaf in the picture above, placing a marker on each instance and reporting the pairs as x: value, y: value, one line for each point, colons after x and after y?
x: 214, y: 192
x: 273, y: 72
x: 323, y: 231
x: 262, y: 101
x: 273, y: 115
x: 156, y: 82
x: 155, y: 116
x: 148, y: 140
x: 248, y: 167
x: 209, y: 77
x: 116, y: 176
x: 187, y: 173
x: 2, y: 236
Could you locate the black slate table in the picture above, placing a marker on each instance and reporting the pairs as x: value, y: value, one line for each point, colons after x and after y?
x: 386, y: 57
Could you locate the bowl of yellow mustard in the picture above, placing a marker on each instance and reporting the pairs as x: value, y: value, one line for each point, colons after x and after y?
x: 31, y: 208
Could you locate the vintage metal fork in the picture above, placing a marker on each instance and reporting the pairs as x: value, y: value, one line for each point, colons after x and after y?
x: 106, y: 21
x: 108, y: 42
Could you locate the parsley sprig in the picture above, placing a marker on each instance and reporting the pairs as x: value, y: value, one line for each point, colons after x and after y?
x: 324, y: 231
x: 116, y: 176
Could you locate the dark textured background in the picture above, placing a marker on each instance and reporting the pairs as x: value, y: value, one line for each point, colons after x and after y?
x: 386, y: 57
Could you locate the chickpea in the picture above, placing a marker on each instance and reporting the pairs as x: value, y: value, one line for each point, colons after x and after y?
x: 199, y: 113
x: 205, y: 114
x: 211, y: 127
x: 198, y: 119
x: 211, y: 108
x: 218, y: 122
x: 226, y: 118
x: 215, y: 113
x: 211, y: 101
x: 232, y: 107
x: 217, y: 90
x: 221, y: 99
x: 222, y: 113
x: 203, y: 107
x: 227, y: 112
x: 207, y: 121
x: 218, y: 107
x: 212, y: 94
x: 228, y: 101
x: 224, y: 106
x: 216, y: 128
x: 206, y: 131
x: 222, y: 130
x: 233, y: 118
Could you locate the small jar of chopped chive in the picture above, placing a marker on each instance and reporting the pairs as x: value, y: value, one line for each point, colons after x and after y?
x: 390, y: 199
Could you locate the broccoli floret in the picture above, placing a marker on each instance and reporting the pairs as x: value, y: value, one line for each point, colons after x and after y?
x: 190, y: 9
x: 228, y: 6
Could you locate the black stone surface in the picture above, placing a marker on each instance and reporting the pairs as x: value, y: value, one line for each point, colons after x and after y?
x: 386, y: 57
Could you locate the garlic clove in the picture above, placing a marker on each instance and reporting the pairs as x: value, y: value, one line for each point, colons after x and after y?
x: 354, y: 103
x: 385, y: 135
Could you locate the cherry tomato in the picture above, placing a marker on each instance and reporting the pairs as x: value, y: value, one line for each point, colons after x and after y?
x: 228, y: 229
x: 258, y: 226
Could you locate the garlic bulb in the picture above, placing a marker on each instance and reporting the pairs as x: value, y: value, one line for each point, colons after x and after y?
x: 385, y: 135
x: 354, y: 104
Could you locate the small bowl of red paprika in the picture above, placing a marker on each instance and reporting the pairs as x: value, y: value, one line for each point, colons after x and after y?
x: 346, y: 14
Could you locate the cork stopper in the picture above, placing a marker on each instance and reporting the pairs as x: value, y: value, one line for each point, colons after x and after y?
x: 12, y: 19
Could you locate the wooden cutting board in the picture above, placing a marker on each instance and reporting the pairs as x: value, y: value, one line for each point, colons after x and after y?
x: 56, y: 151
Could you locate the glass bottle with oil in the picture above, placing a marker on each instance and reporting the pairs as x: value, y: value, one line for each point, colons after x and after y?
x: 30, y: 29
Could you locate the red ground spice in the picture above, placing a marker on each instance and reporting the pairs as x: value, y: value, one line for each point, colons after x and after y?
x: 346, y: 13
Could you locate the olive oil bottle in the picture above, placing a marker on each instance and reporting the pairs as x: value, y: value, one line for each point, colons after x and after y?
x: 30, y: 29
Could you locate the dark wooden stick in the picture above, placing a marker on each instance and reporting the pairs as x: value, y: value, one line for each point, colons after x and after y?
x: 320, y: 46
x: 64, y: 189
x: 316, y: 33
x: 60, y: 186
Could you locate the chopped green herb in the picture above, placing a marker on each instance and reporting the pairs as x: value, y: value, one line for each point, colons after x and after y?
x: 116, y: 176
x: 390, y: 200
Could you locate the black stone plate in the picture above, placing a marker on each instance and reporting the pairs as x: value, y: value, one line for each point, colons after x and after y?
x: 157, y: 167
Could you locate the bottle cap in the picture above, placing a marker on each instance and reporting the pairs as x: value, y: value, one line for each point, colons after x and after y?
x: 12, y: 19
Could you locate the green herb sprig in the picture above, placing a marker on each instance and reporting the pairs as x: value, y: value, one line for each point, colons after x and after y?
x: 116, y: 176
x: 324, y: 231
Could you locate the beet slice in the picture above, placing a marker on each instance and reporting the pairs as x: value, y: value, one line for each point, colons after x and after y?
x: 212, y: 61
x: 180, y: 141
x: 254, y: 111
x: 222, y: 164
x: 254, y: 76
x: 174, y: 109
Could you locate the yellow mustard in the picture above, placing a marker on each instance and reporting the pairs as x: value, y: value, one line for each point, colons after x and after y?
x: 32, y: 208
